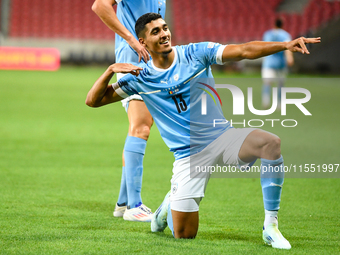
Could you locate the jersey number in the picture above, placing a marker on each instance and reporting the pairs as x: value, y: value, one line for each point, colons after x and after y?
x: 180, y: 104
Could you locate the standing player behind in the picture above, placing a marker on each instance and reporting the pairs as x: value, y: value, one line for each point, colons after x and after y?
x: 274, y: 67
x: 129, y: 50
x: 174, y: 102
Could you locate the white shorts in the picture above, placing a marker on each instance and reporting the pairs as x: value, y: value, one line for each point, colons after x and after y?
x: 125, y: 101
x: 273, y: 75
x: 223, y: 151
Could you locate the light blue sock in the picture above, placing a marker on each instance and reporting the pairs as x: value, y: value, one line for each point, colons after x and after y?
x: 122, y: 198
x: 279, y: 88
x: 266, y: 89
x: 169, y: 220
x: 272, y: 175
x: 134, y: 153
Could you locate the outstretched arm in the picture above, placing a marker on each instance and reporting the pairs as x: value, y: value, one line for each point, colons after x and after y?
x: 258, y: 49
x: 103, y: 8
x: 101, y: 92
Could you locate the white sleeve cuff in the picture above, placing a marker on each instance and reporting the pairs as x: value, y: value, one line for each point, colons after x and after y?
x: 119, y: 91
x: 219, y: 55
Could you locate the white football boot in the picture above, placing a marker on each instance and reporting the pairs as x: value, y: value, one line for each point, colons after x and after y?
x: 272, y: 236
x: 119, y: 210
x: 159, y: 221
x: 140, y: 213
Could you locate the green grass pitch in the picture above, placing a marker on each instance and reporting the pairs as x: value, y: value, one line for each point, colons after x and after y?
x: 60, y: 167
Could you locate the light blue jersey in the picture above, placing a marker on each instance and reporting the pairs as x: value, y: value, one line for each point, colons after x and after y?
x: 174, y: 97
x: 128, y: 12
x: 277, y: 60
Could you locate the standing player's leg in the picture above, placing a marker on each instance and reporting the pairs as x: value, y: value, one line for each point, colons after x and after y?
x: 268, y: 80
x: 281, y: 82
x: 264, y: 145
x: 121, y: 204
x: 266, y: 89
x: 140, y: 122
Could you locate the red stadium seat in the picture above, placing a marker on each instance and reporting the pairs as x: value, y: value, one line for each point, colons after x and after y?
x: 56, y: 19
x: 223, y: 21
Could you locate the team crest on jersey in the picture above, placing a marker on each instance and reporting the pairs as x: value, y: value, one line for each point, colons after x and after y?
x: 176, y: 76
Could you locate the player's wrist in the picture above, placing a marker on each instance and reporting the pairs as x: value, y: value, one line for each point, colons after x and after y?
x: 285, y: 45
x: 111, y: 69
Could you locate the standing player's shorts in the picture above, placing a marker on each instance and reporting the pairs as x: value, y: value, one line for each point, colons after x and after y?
x: 125, y: 54
x: 188, y: 190
x: 273, y: 75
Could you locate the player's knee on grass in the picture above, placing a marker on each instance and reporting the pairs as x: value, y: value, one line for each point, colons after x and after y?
x: 185, y: 234
x: 185, y: 217
x: 185, y: 224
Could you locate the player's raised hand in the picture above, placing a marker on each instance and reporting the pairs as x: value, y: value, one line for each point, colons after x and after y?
x: 141, y: 51
x: 125, y: 68
x: 299, y: 44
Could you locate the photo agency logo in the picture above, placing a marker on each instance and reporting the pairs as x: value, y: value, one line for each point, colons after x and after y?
x: 238, y: 105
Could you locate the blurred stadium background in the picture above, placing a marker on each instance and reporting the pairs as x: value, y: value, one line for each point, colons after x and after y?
x: 82, y: 38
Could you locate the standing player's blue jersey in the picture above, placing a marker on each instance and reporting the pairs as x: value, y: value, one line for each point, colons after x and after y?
x: 174, y: 97
x: 128, y: 12
x: 277, y: 60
